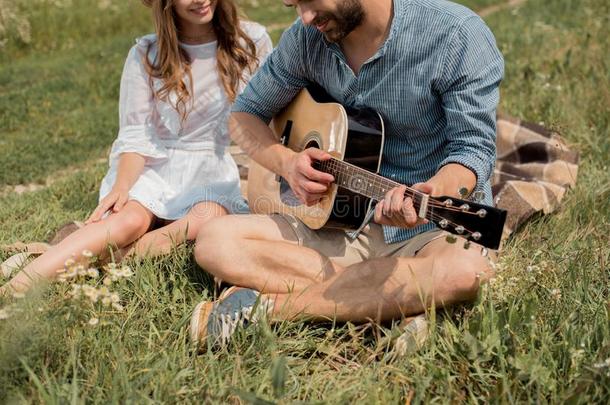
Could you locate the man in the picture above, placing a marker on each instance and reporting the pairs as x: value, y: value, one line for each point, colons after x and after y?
x: 432, y: 69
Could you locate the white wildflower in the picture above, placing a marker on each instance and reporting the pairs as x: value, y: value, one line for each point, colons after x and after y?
x: 93, y: 321
x: 4, y: 314
x: 93, y: 272
x: 71, y: 272
x: 76, y: 290
x: 87, y: 253
x: 81, y: 270
x: 603, y: 364
x: 126, y: 272
x: 91, y: 293
x: 556, y: 293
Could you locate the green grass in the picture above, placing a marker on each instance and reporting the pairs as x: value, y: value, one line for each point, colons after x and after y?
x: 537, y: 334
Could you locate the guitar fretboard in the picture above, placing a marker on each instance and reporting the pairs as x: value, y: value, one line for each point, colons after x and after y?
x: 363, y: 182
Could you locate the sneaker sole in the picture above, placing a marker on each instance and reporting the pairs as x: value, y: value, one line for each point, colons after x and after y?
x: 200, y: 314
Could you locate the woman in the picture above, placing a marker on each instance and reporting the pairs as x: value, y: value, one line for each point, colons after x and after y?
x: 170, y: 163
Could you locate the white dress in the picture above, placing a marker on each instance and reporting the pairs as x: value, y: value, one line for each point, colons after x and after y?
x: 186, y: 163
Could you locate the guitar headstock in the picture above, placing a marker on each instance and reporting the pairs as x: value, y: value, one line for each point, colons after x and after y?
x: 475, y: 222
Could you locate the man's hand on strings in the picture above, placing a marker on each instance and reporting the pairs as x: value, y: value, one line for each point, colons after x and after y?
x: 396, y: 209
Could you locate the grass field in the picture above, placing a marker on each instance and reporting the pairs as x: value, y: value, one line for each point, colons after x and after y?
x: 539, y: 333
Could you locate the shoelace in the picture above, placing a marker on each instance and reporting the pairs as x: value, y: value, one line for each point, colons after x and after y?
x: 230, y: 322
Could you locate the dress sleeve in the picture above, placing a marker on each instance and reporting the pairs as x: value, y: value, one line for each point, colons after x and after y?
x: 472, y: 71
x: 264, y: 47
x: 136, y: 108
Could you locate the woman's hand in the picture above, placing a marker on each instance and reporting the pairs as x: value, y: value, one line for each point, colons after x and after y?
x: 115, y: 200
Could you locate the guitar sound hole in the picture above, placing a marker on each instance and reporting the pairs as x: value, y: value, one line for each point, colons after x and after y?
x: 312, y: 144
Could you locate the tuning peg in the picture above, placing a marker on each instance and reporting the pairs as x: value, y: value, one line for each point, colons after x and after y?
x: 451, y: 239
x: 443, y: 223
x: 463, y: 192
x: 467, y: 245
x: 478, y: 196
x: 460, y: 229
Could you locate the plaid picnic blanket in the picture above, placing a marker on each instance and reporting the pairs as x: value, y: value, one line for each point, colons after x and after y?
x: 534, y: 169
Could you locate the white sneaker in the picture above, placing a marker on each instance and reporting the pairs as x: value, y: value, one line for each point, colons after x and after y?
x: 415, y: 331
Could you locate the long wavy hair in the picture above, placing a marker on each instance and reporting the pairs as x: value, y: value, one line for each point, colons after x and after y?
x: 236, y: 53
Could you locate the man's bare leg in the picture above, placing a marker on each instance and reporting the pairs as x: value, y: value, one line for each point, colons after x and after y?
x: 254, y: 252
x: 389, y: 288
x: 259, y: 252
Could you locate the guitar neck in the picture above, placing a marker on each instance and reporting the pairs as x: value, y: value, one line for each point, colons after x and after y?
x: 361, y: 181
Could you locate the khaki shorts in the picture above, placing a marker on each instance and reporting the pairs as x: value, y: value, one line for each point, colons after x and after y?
x: 345, y: 251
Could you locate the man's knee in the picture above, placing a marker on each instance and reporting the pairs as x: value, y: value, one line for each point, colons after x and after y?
x: 201, y: 214
x: 470, y: 270
x: 213, y: 236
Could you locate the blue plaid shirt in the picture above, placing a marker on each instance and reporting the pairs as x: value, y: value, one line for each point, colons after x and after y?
x: 435, y: 81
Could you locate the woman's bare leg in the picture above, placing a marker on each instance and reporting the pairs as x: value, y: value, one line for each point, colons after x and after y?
x: 160, y: 241
x: 118, y: 229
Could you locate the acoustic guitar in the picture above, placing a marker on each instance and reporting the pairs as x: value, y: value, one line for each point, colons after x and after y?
x: 355, y: 137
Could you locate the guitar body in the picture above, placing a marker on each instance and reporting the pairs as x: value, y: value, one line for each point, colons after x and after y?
x: 314, y: 120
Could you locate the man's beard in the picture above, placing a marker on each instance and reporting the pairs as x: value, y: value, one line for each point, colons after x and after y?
x: 348, y: 17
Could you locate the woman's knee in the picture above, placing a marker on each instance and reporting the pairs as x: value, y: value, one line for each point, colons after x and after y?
x: 129, y: 224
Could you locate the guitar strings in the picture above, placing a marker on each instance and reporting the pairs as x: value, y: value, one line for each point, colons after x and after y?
x: 335, y: 165
x: 373, y: 181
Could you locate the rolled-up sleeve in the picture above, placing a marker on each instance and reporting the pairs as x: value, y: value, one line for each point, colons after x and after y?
x: 278, y: 80
x: 136, y: 105
x: 469, y: 87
